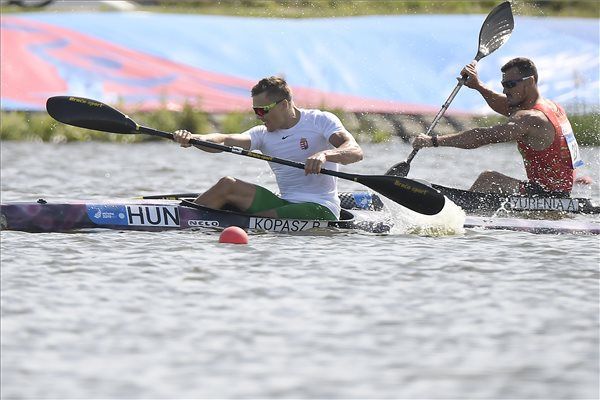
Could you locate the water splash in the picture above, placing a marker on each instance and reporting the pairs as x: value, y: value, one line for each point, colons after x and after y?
x: 450, y: 221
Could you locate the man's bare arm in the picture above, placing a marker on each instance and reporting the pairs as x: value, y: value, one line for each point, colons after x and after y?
x: 346, y: 151
x: 496, y: 101
x: 516, y: 128
x: 183, y: 137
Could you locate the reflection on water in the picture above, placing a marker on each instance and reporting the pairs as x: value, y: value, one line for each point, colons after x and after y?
x: 450, y: 314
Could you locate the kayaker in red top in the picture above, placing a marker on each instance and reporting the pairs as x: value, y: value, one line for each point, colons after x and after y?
x: 539, y: 126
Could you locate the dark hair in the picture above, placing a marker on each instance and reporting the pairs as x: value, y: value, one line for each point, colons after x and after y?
x: 275, y: 87
x: 525, y: 66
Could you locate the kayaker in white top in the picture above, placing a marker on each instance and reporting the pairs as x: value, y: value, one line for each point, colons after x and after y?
x: 314, y: 137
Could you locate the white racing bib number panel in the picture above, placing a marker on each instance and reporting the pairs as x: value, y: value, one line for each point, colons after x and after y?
x: 567, y: 131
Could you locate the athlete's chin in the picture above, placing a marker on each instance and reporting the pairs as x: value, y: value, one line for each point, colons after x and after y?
x: 512, y: 102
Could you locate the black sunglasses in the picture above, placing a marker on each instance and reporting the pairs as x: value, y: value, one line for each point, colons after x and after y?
x: 512, y: 83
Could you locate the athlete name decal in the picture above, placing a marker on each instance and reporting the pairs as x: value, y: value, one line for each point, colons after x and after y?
x: 543, y: 204
x: 284, y: 225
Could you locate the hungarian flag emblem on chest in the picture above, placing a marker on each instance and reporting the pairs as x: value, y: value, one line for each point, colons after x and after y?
x: 303, y: 144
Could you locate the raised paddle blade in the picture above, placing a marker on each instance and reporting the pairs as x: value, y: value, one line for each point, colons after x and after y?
x: 411, y: 194
x: 496, y: 30
x: 90, y: 114
x: 401, y: 169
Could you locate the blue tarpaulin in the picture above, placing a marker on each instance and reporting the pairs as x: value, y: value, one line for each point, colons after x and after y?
x: 411, y: 59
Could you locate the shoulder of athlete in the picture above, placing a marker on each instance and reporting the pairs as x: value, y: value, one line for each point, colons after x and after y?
x: 527, y: 115
x: 532, y: 120
x: 533, y: 125
x: 342, y: 137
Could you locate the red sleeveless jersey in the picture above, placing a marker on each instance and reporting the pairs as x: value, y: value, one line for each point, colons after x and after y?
x: 551, y: 168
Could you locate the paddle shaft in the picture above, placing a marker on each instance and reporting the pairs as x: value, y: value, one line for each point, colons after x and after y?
x: 461, y: 82
x: 251, y: 154
x: 495, y: 31
x: 411, y: 194
x: 92, y: 114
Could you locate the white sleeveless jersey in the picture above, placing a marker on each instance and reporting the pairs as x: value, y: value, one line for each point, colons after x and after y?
x: 310, y: 135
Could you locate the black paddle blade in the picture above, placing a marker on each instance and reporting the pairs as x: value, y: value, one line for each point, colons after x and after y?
x: 413, y: 195
x: 401, y: 169
x: 90, y: 114
x: 496, y: 30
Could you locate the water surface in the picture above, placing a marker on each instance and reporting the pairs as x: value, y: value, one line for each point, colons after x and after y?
x: 109, y: 314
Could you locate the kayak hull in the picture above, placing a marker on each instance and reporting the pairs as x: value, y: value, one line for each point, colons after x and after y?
x: 161, y: 215
x: 362, y: 211
x: 489, y: 203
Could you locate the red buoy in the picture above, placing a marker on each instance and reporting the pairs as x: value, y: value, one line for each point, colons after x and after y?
x: 233, y: 234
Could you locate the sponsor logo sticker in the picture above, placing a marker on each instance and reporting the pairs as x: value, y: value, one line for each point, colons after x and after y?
x: 203, y: 223
x: 106, y: 214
